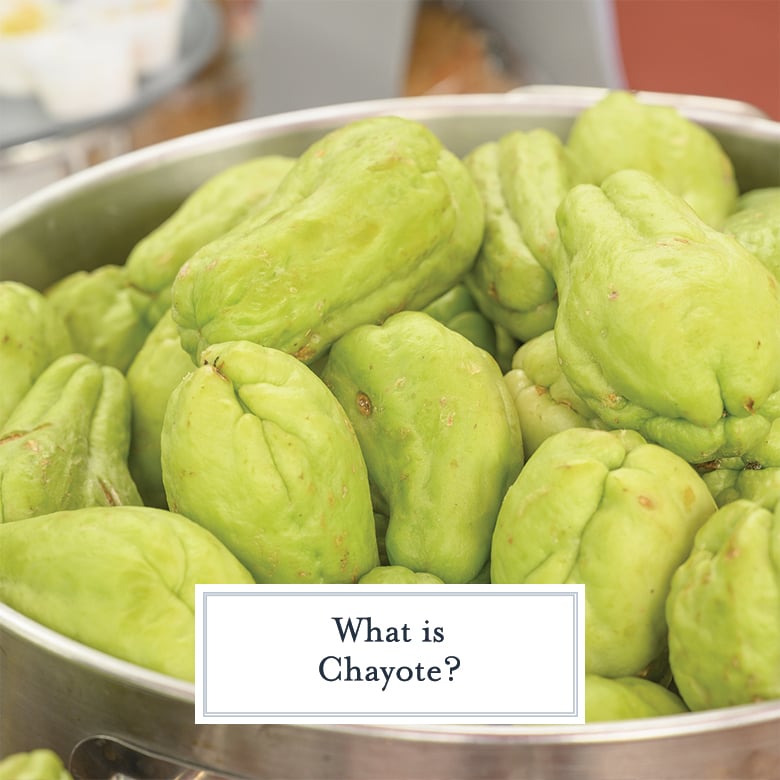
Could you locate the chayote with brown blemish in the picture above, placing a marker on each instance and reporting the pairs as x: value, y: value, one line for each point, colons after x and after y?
x: 665, y: 325
x: 375, y: 217
x: 439, y: 434
x: 65, y: 446
x: 615, y: 513
x: 256, y: 449
x: 211, y: 210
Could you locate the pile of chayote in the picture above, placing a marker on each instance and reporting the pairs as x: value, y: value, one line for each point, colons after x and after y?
x: 548, y: 361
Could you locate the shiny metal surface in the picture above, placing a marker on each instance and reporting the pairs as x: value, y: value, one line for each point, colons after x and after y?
x: 57, y: 693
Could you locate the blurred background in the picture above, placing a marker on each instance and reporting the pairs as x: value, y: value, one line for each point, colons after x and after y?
x: 82, y: 81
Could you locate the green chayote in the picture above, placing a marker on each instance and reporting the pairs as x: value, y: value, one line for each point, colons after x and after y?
x: 626, y: 698
x: 65, y: 445
x: 665, y: 325
x: 157, y: 369
x: 521, y: 179
x: 398, y: 575
x: 39, y: 764
x: 439, y: 434
x: 723, y: 610
x: 104, y: 313
x: 215, y: 207
x: 32, y: 336
x: 119, y: 579
x: 755, y: 223
x: 458, y: 311
x: 615, y: 513
x: 374, y: 217
x: 754, y: 476
x: 620, y: 132
x: 543, y: 397
x: 256, y: 449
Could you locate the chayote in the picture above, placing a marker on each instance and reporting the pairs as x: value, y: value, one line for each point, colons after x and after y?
x: 38, y: 764
x: 754, y: 476
x: 626, y: 698
x: 119, y: 579
x: 755, y: 223
x: 398, y: 575
x: 104, y: 313
x: 65, y: 445
x: 621, y: 132
x: 215, y: 207
x: 157, y: 369
x: 375, y: 217
x: 256, y: 449
x: 521, y: 179
x: 723, y: 610
x: 543, y: 397
x: 458, y: 310
x: 611, y: 511
x: 439, y: 434
x: 665, y: 325
x: 32, y: 335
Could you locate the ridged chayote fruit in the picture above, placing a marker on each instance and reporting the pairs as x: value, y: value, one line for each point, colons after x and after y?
x: 521, y: 179
x: 754, y: 476
x: 621, y: 132
x: 32, y: 336
x: 104, y: 313
x: 118, y: 579
x: 40, y: 764
x: 375, y: 217
x: 439, y: 434
x: 665, y: 325
x: 157, y: 369
x: 755, y: 223
x: 626, y: 698
x: 543, y: 397
x: 256, y: 449
x: 615, y: 513
x: 398, y: 575
x: 65, y: 445
x: 724, y: 610
x: 215, y: 207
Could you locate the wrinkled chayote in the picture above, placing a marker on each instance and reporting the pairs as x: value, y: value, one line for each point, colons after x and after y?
x: 615, y: 513
x: 212, y: 209
x: 543, y: 397
x: 157, y: 369
x: 439, y: 434
x: 32, y: 335
x: 521, y: 179
x: 39, y: 764
x: 119, y: 579
x: 621, y: 132
x: 664, y: 324
x: 754, y: 476
x: 626, y: 698
x: 104, y: 313
x: 374, y: 217
x: 723, y: 610
x: 755, y: 223
x: 256, y: 449
x: 65, y: 445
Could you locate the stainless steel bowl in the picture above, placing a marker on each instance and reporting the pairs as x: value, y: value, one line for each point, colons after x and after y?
x: 105, y: 716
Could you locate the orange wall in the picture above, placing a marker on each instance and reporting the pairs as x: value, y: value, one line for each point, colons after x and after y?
x: 721, y: 48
